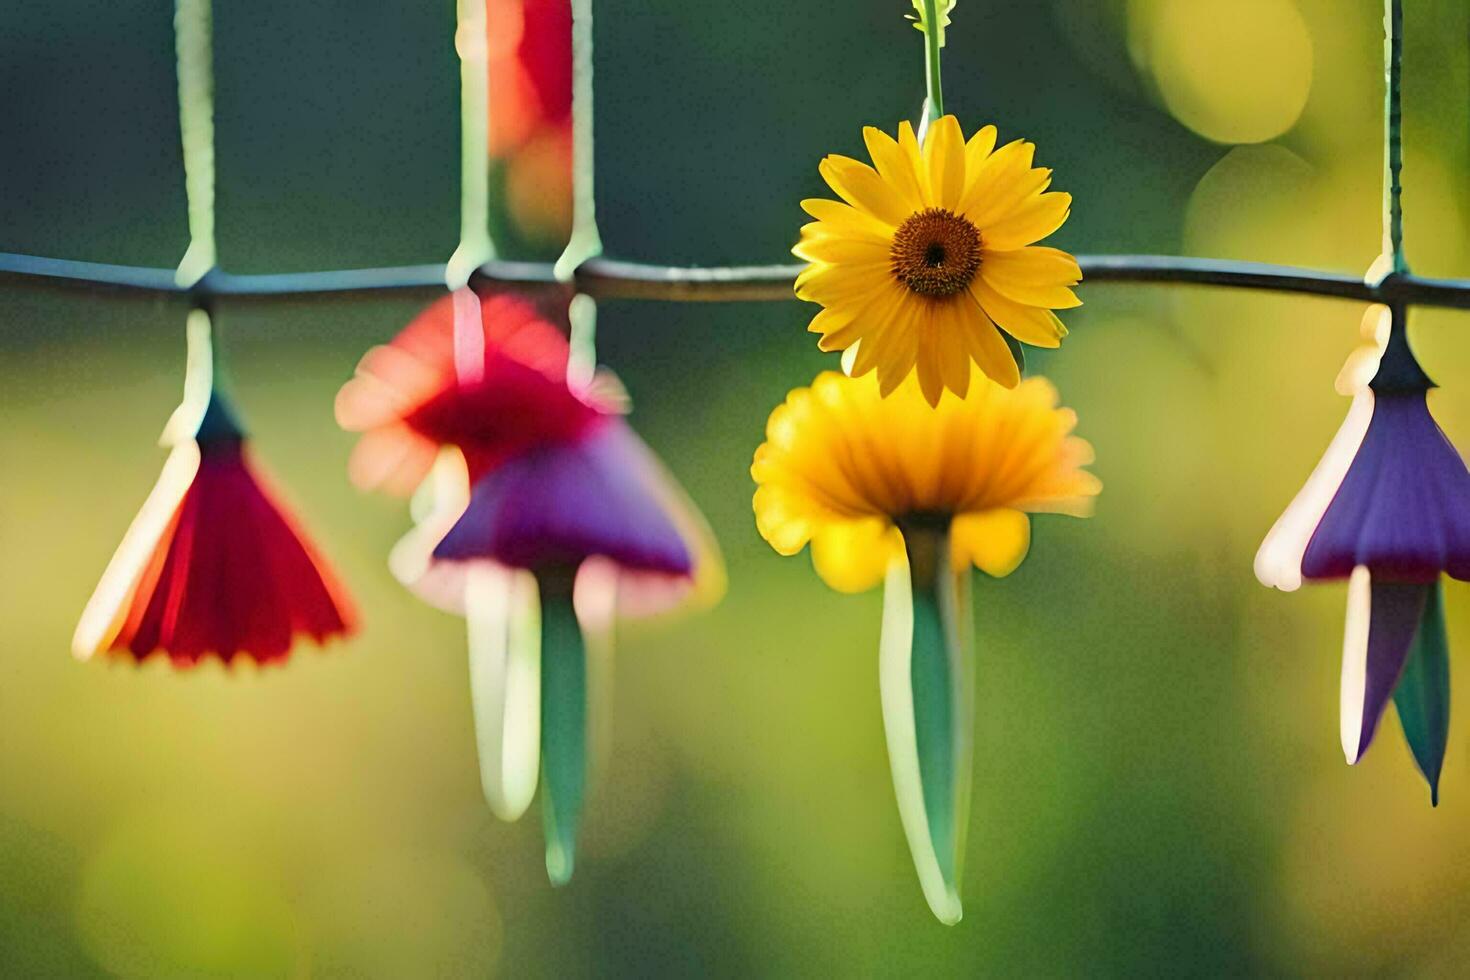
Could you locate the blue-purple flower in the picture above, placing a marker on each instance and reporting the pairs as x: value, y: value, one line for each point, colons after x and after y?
x: 1388, y: 509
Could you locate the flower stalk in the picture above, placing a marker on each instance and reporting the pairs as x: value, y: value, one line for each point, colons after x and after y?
x: 563, y: 723
x: 927, y: 679
x: 1393, y: 120
x: 933, y: 27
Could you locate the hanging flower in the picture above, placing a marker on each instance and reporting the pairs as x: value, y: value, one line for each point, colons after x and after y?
x: 1386, y: 509
x: 493, y: 392
x: 930, y: 262
x: 890, y: 490
x: 211, y: 564
x: 543, y: 518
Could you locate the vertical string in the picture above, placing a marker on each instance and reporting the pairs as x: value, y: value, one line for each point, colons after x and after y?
x: 475, y: 244
x: 585, y: 242
x: 203, y: 372
x: 196, y: 129
x: 472, y: 44
x: 1393, y: 212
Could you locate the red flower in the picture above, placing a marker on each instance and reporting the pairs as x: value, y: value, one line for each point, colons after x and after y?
x: 409, y: 396
x: 212, y: 564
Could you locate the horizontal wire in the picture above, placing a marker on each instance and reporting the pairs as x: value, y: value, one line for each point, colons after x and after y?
x: 615, y: 279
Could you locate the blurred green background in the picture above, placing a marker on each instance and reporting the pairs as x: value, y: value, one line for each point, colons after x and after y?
x: 1159, y: 788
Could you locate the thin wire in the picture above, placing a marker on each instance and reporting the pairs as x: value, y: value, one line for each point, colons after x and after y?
x: 614, y: 279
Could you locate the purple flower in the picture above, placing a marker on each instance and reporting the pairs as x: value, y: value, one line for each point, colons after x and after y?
x: 1403, y: 509
x: 560, y: 504
x: 1387, y: 508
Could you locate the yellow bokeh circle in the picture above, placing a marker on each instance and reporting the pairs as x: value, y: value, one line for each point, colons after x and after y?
x: 1234, y: 71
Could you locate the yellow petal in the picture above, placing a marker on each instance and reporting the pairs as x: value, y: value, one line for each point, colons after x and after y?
x: 894, y: 166
x: 1034, y: 276
x: 859, y: 185
x: 853, y: 555
x: 994, y: 541
x: 1000, y: 169
x: 1032, y: 221
x: 822, y: 248
x: 910, y: 145
x: 846, y: 220
x: 1028, y: 324
x: 978, y: 149
x: 988, y: 349
x: 1006, y: 195
x: 832, y: 284
x: 944, y: 155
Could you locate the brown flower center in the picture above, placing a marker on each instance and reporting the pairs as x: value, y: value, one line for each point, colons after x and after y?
x: 935, y: 252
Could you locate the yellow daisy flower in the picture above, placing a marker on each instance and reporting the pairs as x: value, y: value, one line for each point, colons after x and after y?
x: 844, y: 469
x: 932, y: 256
x: 895, y: 491
x: 891, y: 490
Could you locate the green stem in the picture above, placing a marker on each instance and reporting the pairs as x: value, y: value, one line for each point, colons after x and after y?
x: 1393, y: 212
x: 563, y: 725
x: 934, y: 90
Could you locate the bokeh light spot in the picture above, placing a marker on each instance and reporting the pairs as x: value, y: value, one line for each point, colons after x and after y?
x: 1234, y: 71
x: 403, y: 914
x: 170, y: 893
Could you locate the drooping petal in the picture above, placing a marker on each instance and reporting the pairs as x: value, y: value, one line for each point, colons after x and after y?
x: 503, y: 620
x: 136, y: 564
x: 1279, y: 559
x: 854, y: 557
x: 1032, y: 325
x: 1382, y: 617
x: 994, y: 541
x: 563, y: 730
x: 1422, y: 696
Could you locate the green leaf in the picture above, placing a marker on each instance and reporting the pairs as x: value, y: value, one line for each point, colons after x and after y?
x: 563, y: 729
x: 1422, y: 696
x: 920, y: 18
